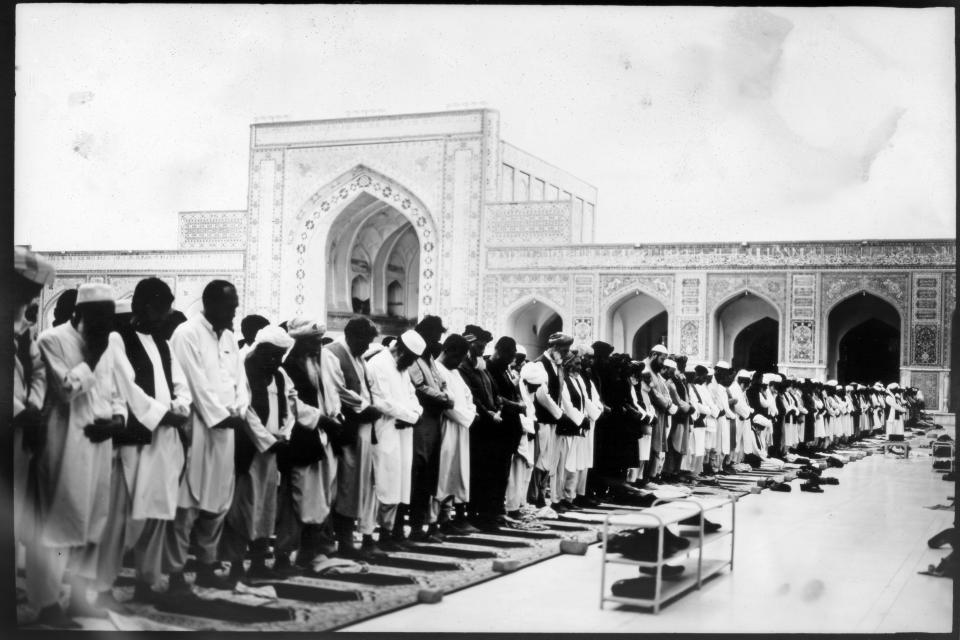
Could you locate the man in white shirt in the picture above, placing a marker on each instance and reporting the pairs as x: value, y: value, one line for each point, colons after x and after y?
x: 149, y: 455
x: 207, y: 351
x: 85, y: 406
x: 393, y: 395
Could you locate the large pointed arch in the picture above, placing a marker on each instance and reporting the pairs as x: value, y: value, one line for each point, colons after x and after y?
x: 728, y: 323
x: 612, y: 303
x: 530, y: 320
x: 867, y: 312
x: 307, y: 242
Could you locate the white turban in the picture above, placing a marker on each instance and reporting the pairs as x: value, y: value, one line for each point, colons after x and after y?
x: 768, y: 378
x: 273, y: 335
x: 762, y: 421
x: 533, y: 373
x: 302, y: 328
x: 414, y: 342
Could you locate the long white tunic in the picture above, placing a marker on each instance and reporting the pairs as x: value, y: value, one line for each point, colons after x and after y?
x: 73, y: 473
x: 213, y: 370
x: 393, y: 394
x: 25, y: 393
x: 156, y: 474
x: 455, y: 442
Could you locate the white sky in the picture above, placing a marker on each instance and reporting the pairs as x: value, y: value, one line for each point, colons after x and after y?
x: 695, y: 124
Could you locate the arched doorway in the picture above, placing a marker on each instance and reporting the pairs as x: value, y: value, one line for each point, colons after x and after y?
x: 650, y: 333
x: 532, y: 324
x: 373, y: 258
x: 747, y: 333
x: 863, y: 340
x: 636, y: 323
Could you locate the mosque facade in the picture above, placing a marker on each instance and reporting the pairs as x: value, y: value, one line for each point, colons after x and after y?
x: 401, y: 216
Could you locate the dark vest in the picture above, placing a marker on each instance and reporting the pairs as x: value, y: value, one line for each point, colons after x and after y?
x: 301, y: 381
x: 143, y: 374
x: 244, y: 450
x: 553, y: 390
x: 348, y: 368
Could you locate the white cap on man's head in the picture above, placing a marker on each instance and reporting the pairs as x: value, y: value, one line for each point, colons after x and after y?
x: 272, y: 335
x: 723, y: 364
x: 670, y: 363
x: 533, y: 373
x: 658, y: 348
x: 94, y: 292
x: 414, y: 342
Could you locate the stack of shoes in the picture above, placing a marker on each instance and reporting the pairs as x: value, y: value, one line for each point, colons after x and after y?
x: 642, y: 545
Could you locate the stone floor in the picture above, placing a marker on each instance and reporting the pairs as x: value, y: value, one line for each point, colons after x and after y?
x: 844, y: 561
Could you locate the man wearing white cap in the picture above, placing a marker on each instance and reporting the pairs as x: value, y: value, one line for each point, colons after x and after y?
x: 89, y: 383
x: 663, y: 406
x: 894, y: 413
x: 532, y: 377
x: 548, y: 410
x: 309, y: 469
x: 726, y: 420
x: 208, y: 353
x: 269, y: 419
x: 394, y: 396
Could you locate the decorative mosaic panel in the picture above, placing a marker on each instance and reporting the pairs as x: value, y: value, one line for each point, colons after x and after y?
x: 926, y: 297
x: 803, y: 304
x: 551, y: 288
x: 722, y: 286
x: 949, y: 304
x: 892, y: 287
x: 802, y: 336
x: 490, y: 308
x: 528, y: 223
x: 929, y: 383
x: 462, y: 198
x: 583, y: 330
x: 657, y: 286
x: 926, y: 344
x: 731, y: 255
x: 584, y: 298
x: 264, y: 224
x: 690, y: 337
x: 212, y: 230
x: 690, y: 296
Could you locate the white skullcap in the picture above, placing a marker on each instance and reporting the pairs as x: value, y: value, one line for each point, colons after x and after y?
x: 413, y: 341
x: 272, y: 335
x: 670, y: 363
x: 124, y: 306
x: 763, y: 421
x: 768, y: 378
x: 849, y: 387
x: 893, y: 385
x: 488, y: 350
x: 723, y: 364
x: 303, y: 327
x: 94, y: 292
x: 831, y: 383
x: 743, y: 373
x: 33, y: 266
x: 521, y: 350
x: 658, y: 348
x: 533, y: 373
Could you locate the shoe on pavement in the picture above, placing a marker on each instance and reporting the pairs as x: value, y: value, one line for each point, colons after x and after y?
x: 810, y: 487
x: 54, y: 616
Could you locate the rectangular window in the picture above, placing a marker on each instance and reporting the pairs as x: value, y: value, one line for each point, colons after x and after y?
x: 536, y: 193
x: 523, y: 187
x: 553, y: 193
x: 578, y: 220
x: 506, y: 184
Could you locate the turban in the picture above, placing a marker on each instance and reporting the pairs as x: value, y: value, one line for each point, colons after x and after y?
x: 414, y: 342
x: 658, y: 348
x: 33, y: 266
x: 559, y: 339
x: 533, y: 373
x: 602, y: 349
x: 94, y: 292
x: 892, y: 386
x: 431, y: 323
x: 700, y: 369
x: 303, y: 328
x: 768, y: 378
x: 743, y: 373
x: 762, y: 421
x: 723, y: 364
x: 473, y: 333
x: 272, y: 335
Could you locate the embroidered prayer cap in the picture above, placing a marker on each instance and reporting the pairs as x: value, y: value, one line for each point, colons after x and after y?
x: 533, y: 373
x: 33, y: 266
x: 304, y: 327
x: 658, y: 348
x: 272, y: 335
x: 602, y: 349
x: 94, y: 292
x: 414, y: 342
x: 559, y: 339
x: 723, y: 364
x: 521, y: 350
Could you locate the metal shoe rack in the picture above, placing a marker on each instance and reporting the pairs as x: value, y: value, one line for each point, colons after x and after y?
x: 662, y: 514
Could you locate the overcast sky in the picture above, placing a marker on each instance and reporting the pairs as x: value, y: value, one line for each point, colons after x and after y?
x: 695, y: 124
